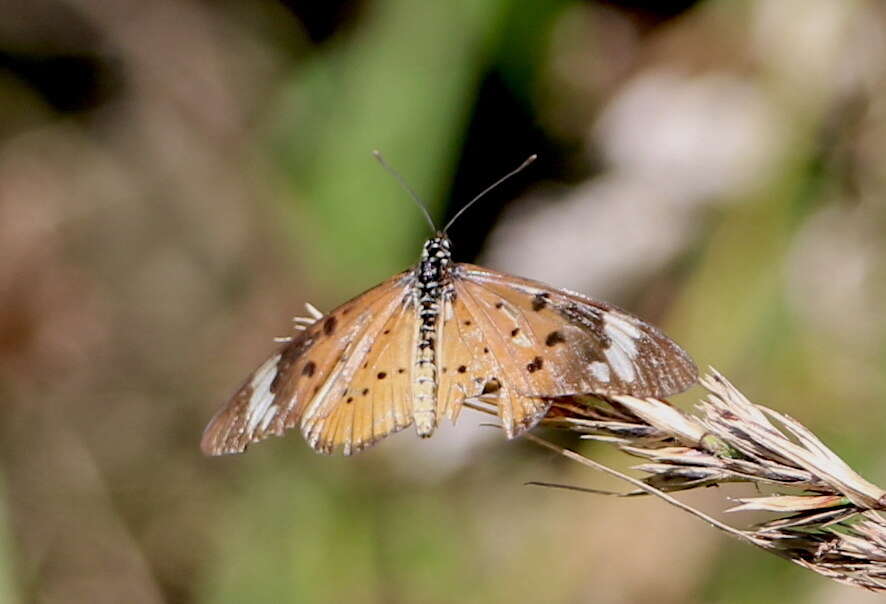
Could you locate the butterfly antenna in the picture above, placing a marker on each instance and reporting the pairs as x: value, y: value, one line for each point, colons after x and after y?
x: 513, y: 172
x: 409, y: 190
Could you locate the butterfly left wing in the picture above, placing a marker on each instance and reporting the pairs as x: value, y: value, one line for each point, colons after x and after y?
x: 306, y: 382
x: 377, y: 400
x: 544, y: 342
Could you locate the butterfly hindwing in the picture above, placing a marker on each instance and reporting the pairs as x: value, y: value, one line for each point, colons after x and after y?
x: 376, y: 400
x: 476, y: 359
x: 302, y: 383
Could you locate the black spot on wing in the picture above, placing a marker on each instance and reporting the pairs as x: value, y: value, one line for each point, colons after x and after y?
x: 540, y: 301
x: 329, y: 326
x: 589, y: 319
x: 309, y: 368
x: 554, y: 338
x: 491, y: 385
x: 584, y: 316
x: 288, y: 356
x: 535, y: 365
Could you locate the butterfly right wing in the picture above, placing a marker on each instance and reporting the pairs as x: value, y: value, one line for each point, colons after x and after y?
x: 582, y: 345
x: 536, y: 342
x: 303, y: 383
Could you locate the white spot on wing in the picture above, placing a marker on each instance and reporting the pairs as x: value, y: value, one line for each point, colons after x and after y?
x: 600, y: 371
x: 314, y: 437
x: 269, y: 416
x: 622, y: 332
x: 262, y: 397
x: 624, y: 336
x: 521, y: 340
x: 620, y: 362
x: 506, y: 308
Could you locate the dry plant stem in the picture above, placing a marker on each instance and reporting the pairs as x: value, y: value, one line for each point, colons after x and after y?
x: 645, y: 487
x: 828, y: 517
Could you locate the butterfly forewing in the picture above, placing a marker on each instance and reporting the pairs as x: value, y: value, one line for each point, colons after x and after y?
x: 302, y: 384
x: 545, y: 342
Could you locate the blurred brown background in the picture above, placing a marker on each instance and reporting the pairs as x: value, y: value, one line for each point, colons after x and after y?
x: 178, y: 177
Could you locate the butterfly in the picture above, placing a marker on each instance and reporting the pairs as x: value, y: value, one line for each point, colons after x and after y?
x: 412, y: 349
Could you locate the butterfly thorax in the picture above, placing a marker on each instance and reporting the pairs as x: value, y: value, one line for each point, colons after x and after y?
x: 432, y: 285
x: 432, y: 272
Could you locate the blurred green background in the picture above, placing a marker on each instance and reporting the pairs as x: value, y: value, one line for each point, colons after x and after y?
x: 178, y: 177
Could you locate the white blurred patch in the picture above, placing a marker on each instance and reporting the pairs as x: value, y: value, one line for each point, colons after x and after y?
x: 706, y: 136
x: 675, y: 144
x: 835, y: 276
x: 817, y: 48
x: 430, y: 460
x: 600, y: 238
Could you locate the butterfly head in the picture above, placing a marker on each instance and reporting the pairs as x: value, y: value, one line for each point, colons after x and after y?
x: 438, y: 248
x: 434, y: 268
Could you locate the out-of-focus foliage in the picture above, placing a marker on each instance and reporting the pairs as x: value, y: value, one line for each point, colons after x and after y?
x: 8, y: 591
x: 178, y: 177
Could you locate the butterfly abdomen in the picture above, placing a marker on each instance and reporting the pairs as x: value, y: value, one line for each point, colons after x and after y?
x: 432, y: 282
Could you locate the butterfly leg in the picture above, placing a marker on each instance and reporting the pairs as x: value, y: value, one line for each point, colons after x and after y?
x: 302, y: 323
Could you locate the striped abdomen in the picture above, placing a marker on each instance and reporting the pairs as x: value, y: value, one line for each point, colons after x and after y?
x: 432, y: 276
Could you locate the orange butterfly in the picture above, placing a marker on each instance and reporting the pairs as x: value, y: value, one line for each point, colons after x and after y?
x: 412, y: 349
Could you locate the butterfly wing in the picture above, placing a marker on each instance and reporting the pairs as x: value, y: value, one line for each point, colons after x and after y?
x: 310, y: 379
x: 476, y: 358
x: 376, y: 400
x: 548, y: 342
